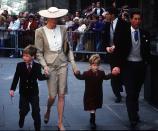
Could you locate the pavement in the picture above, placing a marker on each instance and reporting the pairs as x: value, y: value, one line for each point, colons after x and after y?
x: 111, y: 116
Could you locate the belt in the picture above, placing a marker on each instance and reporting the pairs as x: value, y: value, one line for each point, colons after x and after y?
x: 58, y: 51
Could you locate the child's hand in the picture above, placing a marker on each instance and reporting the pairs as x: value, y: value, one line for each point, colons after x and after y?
x: 11, y: 93
x: 115, y: 71
x: 46, y: 70
x: 76, y: 72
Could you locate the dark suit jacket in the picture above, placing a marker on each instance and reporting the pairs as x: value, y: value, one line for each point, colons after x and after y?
x: 124, y: 44
x: 28, y: 85
x: 120, y: 30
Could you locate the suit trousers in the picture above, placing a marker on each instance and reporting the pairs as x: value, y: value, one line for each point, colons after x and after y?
x: 24, y: 107
x: 133, y: 75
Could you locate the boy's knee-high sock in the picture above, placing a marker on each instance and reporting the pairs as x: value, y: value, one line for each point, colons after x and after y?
x: 92, y: 117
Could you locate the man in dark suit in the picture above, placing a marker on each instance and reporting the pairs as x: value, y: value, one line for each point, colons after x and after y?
x: 132, y: 53
x: 112, y: 31
x: 28, y: 72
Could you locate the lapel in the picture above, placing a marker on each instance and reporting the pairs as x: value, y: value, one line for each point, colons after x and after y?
x: 143, y: 39
x: 33, y: 67
x: 117, y: 25
x: 62, y: 32
x: 45, y: 39
x: 24, y: 65
x: 24, y: 68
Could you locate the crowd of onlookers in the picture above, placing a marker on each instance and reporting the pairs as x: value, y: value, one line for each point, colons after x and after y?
x: 85, y: 28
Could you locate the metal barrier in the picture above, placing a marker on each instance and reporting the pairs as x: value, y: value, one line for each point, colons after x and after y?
x: 86, y: 42
x: 13, y: 42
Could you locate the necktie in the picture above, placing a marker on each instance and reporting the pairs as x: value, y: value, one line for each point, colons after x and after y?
x: 29, y: 67
x: 136, y: 35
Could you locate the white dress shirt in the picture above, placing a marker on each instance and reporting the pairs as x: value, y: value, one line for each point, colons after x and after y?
x: 112, y: 30
x: 54, y: 38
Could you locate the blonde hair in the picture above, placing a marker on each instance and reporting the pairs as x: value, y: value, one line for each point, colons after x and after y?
x: 94, y: 59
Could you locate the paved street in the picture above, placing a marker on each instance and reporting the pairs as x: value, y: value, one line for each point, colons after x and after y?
x: 111, y: 117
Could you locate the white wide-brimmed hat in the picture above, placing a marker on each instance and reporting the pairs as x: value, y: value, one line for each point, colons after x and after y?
x: 53, y: 12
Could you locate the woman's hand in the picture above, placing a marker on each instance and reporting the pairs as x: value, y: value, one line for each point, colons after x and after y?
x: 46, y: 70
x: 76, y: 72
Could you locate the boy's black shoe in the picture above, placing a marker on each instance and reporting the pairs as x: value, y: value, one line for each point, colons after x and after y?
x: 93, y: 126
x: 21, y: 121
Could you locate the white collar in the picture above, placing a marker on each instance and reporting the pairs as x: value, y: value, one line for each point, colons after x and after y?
x: 132, y: 29
x: 115, y: 20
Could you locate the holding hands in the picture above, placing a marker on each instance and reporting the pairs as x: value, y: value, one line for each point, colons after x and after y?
x: 46, y: 70
x: 11, y: 93
x: 115, y: 71
x: 76, y: 72
x: 110, y: 49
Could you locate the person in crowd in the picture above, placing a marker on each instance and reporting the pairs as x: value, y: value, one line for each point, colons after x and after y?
x: 81, y: 30
x: 112, y: 32
x: 5, y: 14
x: 68, y: 22
x: 132, y: 56
x: 98, y: 10
x: 75, y: 35
x: 91, y: 35
x: 54, y: 53
x: 93, y: 95
x: 3, y: 34
x: 30, y: 24
x: 124, y: 13
x: 14, y: 23
x: 13, y: 28
x: 89, y: 10
x: 29, y: 27
x: 98, y: 30
x: 27, y: 73
x: 78, y: 14
x: 106, y: 16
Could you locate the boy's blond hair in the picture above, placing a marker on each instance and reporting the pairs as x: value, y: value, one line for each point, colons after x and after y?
x: 94, y: 59
x: 31, y: 50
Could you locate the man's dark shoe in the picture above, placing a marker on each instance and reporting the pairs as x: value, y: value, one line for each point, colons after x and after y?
x: 37, y: 128
x: 133, y: 124
x: 138, y: 120
x: 118, y: 100
x: 21, y: 122
x: 121, y: 89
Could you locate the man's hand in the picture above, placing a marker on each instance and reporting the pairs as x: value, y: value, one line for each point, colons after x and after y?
x: 115, y: 71
x: 110, y: 49
x: 11, y: 93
